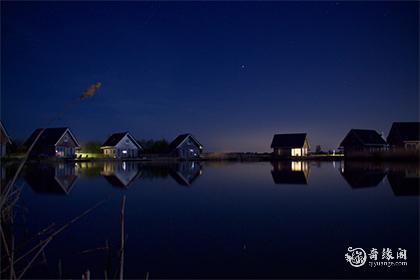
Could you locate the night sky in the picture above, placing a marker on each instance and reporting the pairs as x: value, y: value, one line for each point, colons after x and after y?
x: 233, y: 74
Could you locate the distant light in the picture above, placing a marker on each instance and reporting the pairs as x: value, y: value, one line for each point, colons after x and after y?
x: 124, y: 151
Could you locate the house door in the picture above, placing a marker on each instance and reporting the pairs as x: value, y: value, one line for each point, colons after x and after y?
x: 68, y: 152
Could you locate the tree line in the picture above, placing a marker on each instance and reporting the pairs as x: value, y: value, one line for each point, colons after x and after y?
x: 150, y: 146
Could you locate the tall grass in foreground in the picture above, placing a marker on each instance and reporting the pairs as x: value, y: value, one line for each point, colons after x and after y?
x: 11, y: 254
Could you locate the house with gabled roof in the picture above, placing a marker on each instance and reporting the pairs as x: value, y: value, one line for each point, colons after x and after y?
x: 404, y: 135
x: 185, y: 146
x: 52, y: 142
x: 290, y: 145
x: 4, y: 140
x: 362, y: 142
x: 121, y: 145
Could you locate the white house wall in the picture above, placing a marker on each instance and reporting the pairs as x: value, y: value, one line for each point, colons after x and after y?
x: 126, y: 145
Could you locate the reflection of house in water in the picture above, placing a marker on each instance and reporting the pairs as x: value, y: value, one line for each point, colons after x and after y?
x: 290, y: 172
x: 362, y: 174
x: 54, y: 179
x: 405, y: 181
x: 186, y: 172
x: 120, y: 174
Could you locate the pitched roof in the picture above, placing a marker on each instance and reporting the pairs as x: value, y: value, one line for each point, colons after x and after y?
x: 365, y: 137
x: 403, y: 185
x: 406, y: 131
x: 359, y: 178
x: 49, y: 137
x: 180, y: 139
x: 289, y: 177
x: 119, y: 181
x: 115, y: 138
x: 293, y: 140
x: 182, y: 180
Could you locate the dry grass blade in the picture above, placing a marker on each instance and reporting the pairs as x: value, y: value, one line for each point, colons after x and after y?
x: 122, y: 238
x: 51, y: 237
x: 10, y: 185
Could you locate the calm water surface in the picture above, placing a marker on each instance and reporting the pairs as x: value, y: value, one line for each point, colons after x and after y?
x: 220, y: 220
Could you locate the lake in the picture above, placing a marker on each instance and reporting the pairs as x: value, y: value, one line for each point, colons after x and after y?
x: 218, y: 219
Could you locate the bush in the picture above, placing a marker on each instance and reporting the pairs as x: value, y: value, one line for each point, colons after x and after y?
x: 91, y: 147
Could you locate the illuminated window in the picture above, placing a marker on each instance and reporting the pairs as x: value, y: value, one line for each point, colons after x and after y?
x: 296, y: 153
x: 296, y: 166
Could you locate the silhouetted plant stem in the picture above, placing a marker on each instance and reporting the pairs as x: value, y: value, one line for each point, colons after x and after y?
x: 122, y: 238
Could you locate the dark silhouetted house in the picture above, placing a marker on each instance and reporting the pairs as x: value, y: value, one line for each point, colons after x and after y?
x: 120, y: 174
x: 186, y: 172
x: 185, y: 146
x: 404, y: 135
x: 4, y: 140
x: 51, y: 179
x: 290, y: 172
x: 362, y: 142
x: 362, y: 174
x: 290, y: 145
x: 53, y: 142
x: 121, y: 145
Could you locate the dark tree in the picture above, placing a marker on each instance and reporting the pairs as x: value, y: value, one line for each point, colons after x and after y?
x: 91, y: 147
x: 154, y: 146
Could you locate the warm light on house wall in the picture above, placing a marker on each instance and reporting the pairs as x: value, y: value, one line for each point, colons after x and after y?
x: 296, y: 152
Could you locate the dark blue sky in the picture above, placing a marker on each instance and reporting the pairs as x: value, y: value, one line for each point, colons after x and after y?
x: 231, y: 73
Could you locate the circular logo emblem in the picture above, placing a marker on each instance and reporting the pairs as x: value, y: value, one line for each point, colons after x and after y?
x: 356, y: 257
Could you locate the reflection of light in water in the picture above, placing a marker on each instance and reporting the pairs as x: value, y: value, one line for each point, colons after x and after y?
x: 334, y: 164
x: 192, y: 165
x: 342, y: 169
x: 124, y: 166
x: 296, y: 166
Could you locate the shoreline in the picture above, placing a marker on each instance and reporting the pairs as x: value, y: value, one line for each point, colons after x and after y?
x: 238, y: 157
